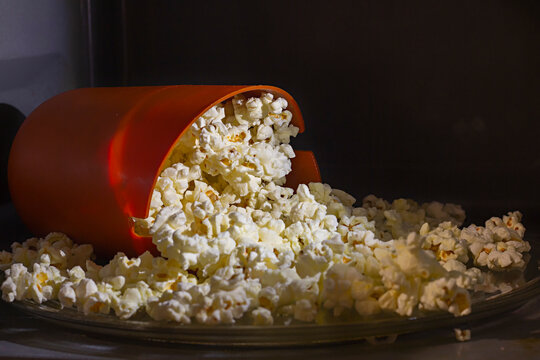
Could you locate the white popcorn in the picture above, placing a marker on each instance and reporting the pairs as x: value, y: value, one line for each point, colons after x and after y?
x: 415, y: 261
x: 61, y: 251
x: 98, y: 302
x: 437, y: 212
x: 16, y: 284
x: 445, y: 294
x: 9, y: 289
x: 67, y: 295
x: 116, y: 282
x: 131, y: 300
x: 445, y: 242
x: 499, y: 245
x: 367, y: 306
x: 45, y: 281
x: 172, y: 306
x: 403, y: 216
x: 40, y: 285
x: 6, y: 259
x: 314, y: 259
x: 305, y: 310
x: 76, y: 274
x: 337, y: 287
x: 467, y: 278
x: 236, y: 244
x: 223, y: 307
x: 85, y: 288
x: 262, y: 316
x: 405, y: 273
x: 92, y: 270
x: 462, y: 334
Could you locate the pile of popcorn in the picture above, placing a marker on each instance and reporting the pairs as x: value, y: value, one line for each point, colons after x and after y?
x: 237, y: 245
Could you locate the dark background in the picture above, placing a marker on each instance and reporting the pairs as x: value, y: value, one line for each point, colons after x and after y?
x: 433, y: 100
x: 422, y: 99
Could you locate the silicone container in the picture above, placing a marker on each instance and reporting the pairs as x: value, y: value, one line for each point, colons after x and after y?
x: 85, y: 161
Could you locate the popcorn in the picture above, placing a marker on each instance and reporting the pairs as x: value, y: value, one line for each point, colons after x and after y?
x: 445, y: 294
x: 40, y: 284
x: 171, y: 306
x: 462, y: 334
x: 403, y: 215
x: 76, y: 274
x: 44, y: 282
x: 467, y: 278
x: 6, y: 259
x: 85, y: 288
x: 445, y: 242
x: 305, y: 310
x: 314, y: 259
x: 499, y: 245
x: 16, y: 284
x: 25, y: 253
x: 262, y: 316
x: 223, y: 307
x: 236, y: 244
x: 67, y: 295
x: 339, y: 281
x: 437, y: 212
x: 406, y: 273
x: 367, y: 306
x: 98, y: 302
x: 131, y: 300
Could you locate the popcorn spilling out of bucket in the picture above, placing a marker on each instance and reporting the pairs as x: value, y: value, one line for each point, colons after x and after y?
x: 208, y: 215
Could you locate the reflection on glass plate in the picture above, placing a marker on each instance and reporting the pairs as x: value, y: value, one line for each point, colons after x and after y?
x: 501, y: 293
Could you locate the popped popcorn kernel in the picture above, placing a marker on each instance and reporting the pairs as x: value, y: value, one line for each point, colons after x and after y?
x: 237, y: 245
x: 462, y: 334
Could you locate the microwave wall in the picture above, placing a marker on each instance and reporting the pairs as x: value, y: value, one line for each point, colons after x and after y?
x: 420, y: 99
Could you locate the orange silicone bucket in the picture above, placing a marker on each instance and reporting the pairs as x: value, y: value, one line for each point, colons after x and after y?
x: 85, y: 161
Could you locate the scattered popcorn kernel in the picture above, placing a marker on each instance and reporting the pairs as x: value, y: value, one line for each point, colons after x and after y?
x: 236, y: 244
x: 462, y: 334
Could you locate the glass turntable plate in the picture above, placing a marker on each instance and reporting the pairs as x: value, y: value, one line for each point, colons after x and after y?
x: 517, y: 288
